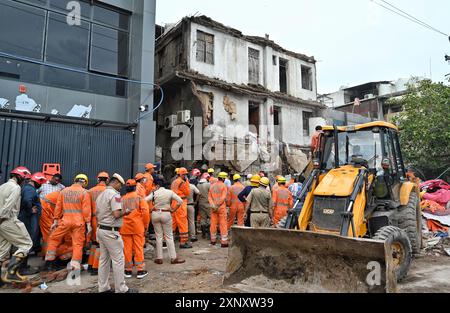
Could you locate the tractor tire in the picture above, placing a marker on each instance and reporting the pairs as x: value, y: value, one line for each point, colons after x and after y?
x: 409, y: 219
x: 401, y: 248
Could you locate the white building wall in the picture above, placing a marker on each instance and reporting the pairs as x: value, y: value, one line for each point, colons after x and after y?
x: 221, y: 117
x: 292, y: 125
x: 231, y: 64
x: 338, y: 98
x: 291, y: 117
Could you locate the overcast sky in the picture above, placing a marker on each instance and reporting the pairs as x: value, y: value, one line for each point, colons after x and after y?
x: 354, y: 41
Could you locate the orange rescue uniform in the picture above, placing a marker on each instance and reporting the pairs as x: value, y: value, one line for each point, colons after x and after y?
x: 217, y: 198
x: 149, y: 188
x: 237, y: 208
x: 282, y: 202
x: 73, y: 211
x: 180, y: 220
x: 48, y: 203
x: 133, y: 230
x: 94, y: 252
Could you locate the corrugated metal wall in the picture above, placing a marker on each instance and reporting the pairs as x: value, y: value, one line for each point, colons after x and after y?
x: 13, y: 136
x: 78, y: 148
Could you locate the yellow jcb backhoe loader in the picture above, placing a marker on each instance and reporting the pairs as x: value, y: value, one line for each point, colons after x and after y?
x: 355, y: 224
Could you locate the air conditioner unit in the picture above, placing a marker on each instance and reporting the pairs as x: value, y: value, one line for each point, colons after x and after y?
x: 170, y: 122
x: 368, y: 96
x: 184, y: 117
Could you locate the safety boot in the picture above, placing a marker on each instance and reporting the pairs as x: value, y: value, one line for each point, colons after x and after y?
x: 50, y: 266
x: 186, y: 246
x: 94, y: 272
x: 27, y: 270
x: 204, y: 231
x: 12, y: 274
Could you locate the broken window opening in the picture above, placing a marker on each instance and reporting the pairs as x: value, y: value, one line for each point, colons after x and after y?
x: 277, y: 123
x: 205, y: 47
x: 306, y: 117
x: 253, y: 115
x: 307, y: 78
x: 161, y: 61
x: 253, y: 66
x: 274, y: 60
x: 179, y: 53
x: 283, y: 75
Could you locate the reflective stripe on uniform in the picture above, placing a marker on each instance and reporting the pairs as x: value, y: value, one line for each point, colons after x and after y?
x: 72, y: 211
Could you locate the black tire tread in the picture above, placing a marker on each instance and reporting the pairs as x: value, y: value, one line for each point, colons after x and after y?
x: 391, y: 233
x: 407, y: 221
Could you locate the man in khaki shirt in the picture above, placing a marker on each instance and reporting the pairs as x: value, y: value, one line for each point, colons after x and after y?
x: 109, y: 218
x: 260, y: 203
x: 204, y: 208
x: 162, y: 220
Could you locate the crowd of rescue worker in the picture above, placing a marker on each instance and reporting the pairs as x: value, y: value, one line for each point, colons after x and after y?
x: 97, y: 228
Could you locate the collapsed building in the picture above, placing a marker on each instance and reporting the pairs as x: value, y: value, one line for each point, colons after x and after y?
x: 246, y: 103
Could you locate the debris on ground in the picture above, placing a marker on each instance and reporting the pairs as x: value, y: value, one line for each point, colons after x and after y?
x: 435, y: 196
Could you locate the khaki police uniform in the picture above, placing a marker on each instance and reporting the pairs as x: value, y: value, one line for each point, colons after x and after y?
x: 260, y: 202
x: 191, y: 210
x: 110, y: 240
x: 162, y: 220
x: 12, y: 231
x: 204, y: 208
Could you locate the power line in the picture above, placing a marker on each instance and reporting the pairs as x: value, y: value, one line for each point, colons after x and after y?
x: 408, y: 16
x: 422, y: 22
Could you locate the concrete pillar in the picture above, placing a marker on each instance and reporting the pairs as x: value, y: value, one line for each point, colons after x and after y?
x: 146, y: 129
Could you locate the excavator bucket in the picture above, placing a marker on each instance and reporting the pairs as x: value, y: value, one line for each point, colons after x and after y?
x: 299, y: 261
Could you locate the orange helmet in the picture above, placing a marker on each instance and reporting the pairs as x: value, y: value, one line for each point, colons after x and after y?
x: 139, y: 176
x: 182, y: 171
x: 149, y: 166
x: 131, y: 183
x: 103, y: 175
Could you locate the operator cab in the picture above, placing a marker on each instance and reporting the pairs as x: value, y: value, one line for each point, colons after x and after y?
x: 374, y: 146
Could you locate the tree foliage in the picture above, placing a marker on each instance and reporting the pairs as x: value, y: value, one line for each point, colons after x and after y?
x: 425, y: 125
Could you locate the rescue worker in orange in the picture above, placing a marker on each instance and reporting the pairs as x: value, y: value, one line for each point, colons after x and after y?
x: 48, y: 204
x: 212, y: 179
x: 181, y: 187
x: 236, y: 206
x: 282, y: 201
x: 149, y: 186
x: 217, y: 199
x: 133, y: 230
x: 149, y: 171
x: 72, y: 216
x: 275, y: 186
x: 94, y: 253
x: 140, y: 185
x: 64, y: 250
x: 315, y: 139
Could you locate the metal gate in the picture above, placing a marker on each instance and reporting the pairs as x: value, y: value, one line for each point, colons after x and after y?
x: 78, y: 148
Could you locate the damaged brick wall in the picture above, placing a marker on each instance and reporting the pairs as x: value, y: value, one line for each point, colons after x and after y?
x: 230, y: 107
x: 206, y: 101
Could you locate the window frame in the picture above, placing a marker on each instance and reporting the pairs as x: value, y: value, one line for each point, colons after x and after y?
x: 310, y: 114
x: 46, y: 42
x: 310, y: 77
x: 253, y: 60
x: 48, y: 11
x: 92, y: 70
x: 204, y: 58
x: 284, y: 63
x: 45, y: 11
